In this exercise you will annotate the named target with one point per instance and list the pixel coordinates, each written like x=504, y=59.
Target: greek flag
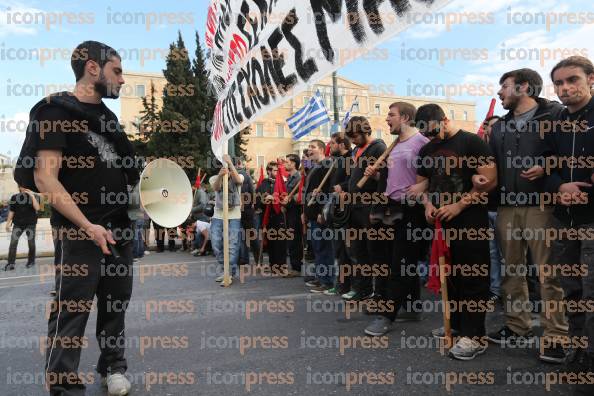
x=311, y=116
x=347, y=116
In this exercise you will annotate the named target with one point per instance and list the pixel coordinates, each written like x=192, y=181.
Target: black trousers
x=360, y=250
x=83, y=273
x=160, y=233
x=463, y=288
x=276, y=241
x=17, y=231
x=295, y=244
x=402, y=287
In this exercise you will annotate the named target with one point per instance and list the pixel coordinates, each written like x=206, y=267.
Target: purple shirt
x=401, y=172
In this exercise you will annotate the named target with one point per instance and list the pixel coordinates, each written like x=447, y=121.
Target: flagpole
x=226, y=278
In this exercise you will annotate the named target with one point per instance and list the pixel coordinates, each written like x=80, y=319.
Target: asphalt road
x=265, y=336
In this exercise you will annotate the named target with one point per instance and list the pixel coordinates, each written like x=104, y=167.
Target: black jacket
x=514, y=149
x=342, y=173
x=372, y=152
x=577, y=142
x=312, y=181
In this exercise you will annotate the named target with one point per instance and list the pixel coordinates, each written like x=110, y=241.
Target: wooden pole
x=375, y=166
x=322, y=183
x=226, y=277
x=444, y=297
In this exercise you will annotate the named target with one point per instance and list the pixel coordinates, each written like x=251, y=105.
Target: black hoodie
x=573, y=141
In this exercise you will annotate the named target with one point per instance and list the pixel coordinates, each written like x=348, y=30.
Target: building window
x=378, y=109
x=356, y=107
x=140, y=91
x=280, y=130
x=305, y=100
x=259, y=129
x=465, y=116
x=452, y=115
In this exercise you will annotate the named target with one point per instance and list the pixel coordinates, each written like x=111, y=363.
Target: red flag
x=327, y=151
x=266, y=218
x=198, y=180
x=439, y=248
x=281, y=169
x=481, y=130
x=280, y=189
x=261, y=179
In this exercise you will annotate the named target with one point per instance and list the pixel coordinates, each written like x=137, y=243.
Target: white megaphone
x=164, y=192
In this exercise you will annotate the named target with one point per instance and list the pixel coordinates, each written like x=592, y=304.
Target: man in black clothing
x=366, y=152
x=293, y=213
x=340, y=148
x=571, y=182
x=314, y=197
x=248, y=241
x=82, y=164
x=450, y=163
x=23, y=215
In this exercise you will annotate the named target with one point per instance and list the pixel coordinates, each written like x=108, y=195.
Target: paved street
x=266, y=336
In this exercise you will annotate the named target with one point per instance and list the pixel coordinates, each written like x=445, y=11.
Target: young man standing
x=367, y=151
x=402, y=253
x=22, y=214
x=340, y=148
x=91, y=224
x=312, y=215
x=449, y=163
x=516, y=140
x=572, y=144
x=216, y=223
x=293, y=216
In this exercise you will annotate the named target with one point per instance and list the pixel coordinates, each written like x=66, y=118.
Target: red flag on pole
x=327, y=151
x=280, y=190
x=439, y=249
x=481, y=130
x=261, y=179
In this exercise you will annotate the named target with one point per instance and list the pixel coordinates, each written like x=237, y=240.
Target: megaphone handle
x=114, y=252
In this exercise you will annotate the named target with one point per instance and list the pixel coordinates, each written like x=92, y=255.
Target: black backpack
x=25, y=165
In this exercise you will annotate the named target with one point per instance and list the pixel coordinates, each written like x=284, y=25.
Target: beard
x=512, y=103
x=103, y=88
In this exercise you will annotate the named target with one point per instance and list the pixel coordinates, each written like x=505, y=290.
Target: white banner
x=264, y=52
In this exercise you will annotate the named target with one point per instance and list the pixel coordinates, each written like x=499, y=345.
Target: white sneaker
x=219, y=278
x=117, y=384
x=467, y=349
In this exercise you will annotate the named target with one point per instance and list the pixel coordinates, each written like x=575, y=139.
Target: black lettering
x=307, y=69
x=373, y=16
x=240, y=78
x=334, y=10
x=262, y=87
x=284, y=83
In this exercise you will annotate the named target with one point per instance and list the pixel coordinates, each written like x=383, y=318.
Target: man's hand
x=571, y=193
x=320, y=219
x=100, y=236
x=479, y=181
x=430, y=213
x=370, y=171
x=448, y=212
x=338, y=189
x=414, y=191
x=227, y=159
x=268, y=199
x=536, y=172
x=224, y=171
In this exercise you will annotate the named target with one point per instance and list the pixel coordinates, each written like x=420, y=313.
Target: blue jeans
x=138, y=243
x=323, y=253
x=216, y=239
x=495, y=252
